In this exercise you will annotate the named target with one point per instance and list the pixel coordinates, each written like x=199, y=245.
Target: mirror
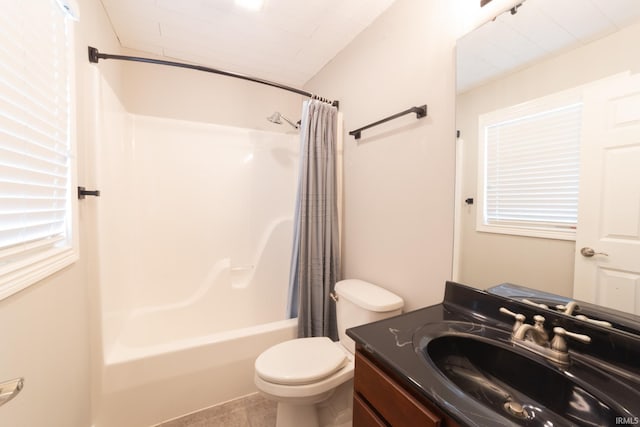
x=591, y=313
x=546, y=47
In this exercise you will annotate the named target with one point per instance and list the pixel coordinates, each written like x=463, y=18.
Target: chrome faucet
x=535, y=332
x=571, y=306
x=519, y=319
x=568, y=308
x=536, y=339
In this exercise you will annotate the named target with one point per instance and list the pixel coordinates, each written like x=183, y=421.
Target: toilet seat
x=300, y=361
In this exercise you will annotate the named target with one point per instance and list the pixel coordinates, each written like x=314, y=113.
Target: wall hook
x=83, y=192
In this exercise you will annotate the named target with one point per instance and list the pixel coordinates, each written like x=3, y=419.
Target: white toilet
x=302, y=373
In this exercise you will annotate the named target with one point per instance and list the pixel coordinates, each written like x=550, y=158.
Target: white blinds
x=531, y=166
x=35, y=150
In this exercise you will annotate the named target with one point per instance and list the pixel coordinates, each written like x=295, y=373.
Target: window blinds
x=531, y=166
x=35, y=150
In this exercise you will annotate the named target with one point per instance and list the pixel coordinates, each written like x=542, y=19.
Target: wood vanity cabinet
x=380, y=400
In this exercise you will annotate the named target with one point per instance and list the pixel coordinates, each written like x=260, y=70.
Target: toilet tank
x=361, y=302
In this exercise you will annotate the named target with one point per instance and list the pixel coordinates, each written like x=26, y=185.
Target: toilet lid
x=300, y=361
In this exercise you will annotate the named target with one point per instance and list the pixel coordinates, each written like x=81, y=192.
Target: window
x=37, y=235
x=529, y=168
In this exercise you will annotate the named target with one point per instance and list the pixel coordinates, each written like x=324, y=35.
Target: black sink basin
x=524, y=388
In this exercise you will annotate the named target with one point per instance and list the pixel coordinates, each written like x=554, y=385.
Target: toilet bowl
x=303, y=373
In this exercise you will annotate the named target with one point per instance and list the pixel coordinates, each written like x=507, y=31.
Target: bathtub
x=191, y=275
x=172, y=359
x=145, y=385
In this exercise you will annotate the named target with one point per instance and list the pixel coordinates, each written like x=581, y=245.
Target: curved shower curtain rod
x=95, y=56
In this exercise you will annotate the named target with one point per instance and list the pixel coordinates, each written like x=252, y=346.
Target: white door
x=609, y=201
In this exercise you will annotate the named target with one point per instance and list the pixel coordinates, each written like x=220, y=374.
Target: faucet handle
x=578, y=337
x=558, y=342
x=594, y=321
x=512, y=314
x=520, y=318
x=528, y=301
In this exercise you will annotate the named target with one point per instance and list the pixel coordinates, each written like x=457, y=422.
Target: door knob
x=589, y=252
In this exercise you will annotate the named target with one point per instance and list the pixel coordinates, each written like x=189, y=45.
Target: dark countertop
x=391, y=342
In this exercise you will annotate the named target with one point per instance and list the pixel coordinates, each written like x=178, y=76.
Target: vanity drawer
x=363, y=415
x=384, y=396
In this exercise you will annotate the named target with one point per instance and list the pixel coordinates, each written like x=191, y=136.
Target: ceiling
x=287, y=41
x=539, y=29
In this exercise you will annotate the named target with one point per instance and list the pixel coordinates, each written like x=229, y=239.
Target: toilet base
x=331, y=409
x=291, y=415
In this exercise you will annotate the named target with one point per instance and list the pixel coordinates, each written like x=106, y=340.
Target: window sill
x=35, y=269
x=528, y=232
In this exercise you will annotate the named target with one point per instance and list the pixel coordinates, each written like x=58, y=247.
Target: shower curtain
x=315, y=256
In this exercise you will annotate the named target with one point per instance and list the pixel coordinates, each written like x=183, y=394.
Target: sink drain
x=516, y=409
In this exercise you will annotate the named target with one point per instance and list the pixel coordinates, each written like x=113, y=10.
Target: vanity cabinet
x=380, y=400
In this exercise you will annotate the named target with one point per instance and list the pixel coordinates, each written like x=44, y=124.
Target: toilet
x=303, y=374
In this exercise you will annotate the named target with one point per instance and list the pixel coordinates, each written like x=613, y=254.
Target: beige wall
x=488, y=259
x=398, y=211
x=44, y=330
x=177, y=93
x=399, y=178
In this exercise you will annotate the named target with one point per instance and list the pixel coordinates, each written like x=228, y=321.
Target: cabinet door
x=394, y=404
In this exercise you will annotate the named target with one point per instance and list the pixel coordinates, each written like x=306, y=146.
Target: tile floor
x=248, y=411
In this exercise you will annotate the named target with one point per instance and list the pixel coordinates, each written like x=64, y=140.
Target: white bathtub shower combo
x=195, y=234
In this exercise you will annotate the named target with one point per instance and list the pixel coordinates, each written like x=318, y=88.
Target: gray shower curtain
x=315, y=257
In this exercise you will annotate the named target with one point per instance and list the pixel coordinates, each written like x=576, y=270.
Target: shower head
x=277, y=118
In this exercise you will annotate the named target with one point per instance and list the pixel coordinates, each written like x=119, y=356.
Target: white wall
x=488, y=259
x=44, y=329
x=399, y=178
x=169, y=92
